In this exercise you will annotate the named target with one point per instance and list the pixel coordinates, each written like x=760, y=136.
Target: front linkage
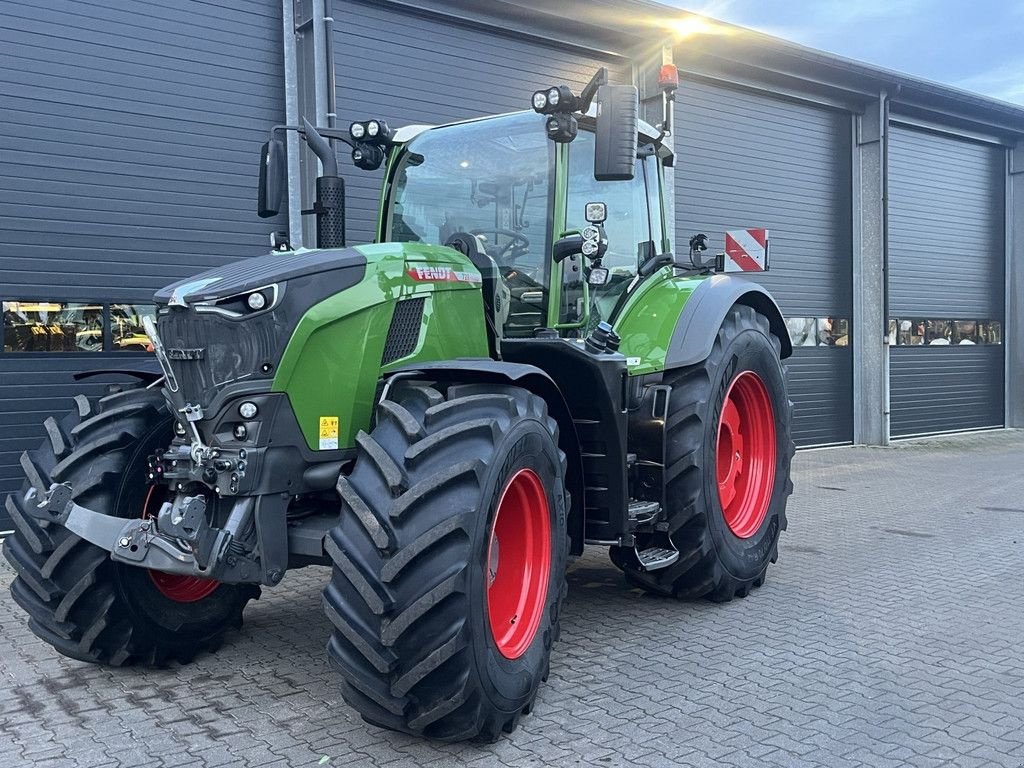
x=180, y=540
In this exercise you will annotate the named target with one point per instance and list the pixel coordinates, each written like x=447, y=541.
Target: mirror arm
x=321, y=148
x=590, y=89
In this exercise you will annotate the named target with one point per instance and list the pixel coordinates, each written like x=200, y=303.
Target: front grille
x=207, y=351
x=404, y=332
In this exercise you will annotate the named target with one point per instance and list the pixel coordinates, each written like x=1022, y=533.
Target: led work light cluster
x=369, y=139
x=558, y=102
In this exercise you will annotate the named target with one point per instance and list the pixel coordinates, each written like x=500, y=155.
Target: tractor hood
x=229, y=327
x=231, y=324
x=243, y=277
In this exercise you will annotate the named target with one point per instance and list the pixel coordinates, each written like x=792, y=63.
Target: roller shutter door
x=130, y=137
x=946, y=283
x=750, y=160
x=406, y=68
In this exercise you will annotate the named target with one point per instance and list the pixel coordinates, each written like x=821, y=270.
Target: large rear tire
x=729, y=451
x=449, y=561
x=80, y=601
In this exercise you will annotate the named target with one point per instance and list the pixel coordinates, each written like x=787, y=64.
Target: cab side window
x=632, y=205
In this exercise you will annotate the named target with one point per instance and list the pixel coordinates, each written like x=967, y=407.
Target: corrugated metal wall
x=130, y=137
x=946, y=261
x=409, y=68
x=749, y=160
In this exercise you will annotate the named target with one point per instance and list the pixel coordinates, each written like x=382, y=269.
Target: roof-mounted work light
x=559, y=98
x=368, y=157
x=561, y=127
x=371, y=132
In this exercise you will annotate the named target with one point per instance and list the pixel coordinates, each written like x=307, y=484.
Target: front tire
x=78, y=600
x=449, y=561
x=728, y=456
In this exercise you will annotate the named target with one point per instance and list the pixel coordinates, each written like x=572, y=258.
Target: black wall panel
x=750, y=160
x=130, y=135
x=946, y=261
x=946, y=223
x=944, y=389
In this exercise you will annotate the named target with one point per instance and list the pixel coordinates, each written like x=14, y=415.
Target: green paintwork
x=649, y=318
x=557, y=227
x=332, y=362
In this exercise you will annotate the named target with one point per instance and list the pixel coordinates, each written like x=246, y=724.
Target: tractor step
x=653, y=558
x=641, y=512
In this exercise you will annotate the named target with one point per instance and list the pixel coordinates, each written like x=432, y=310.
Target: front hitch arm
x=137, y=542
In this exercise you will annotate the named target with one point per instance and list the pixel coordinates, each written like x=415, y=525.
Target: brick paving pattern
x=890, y=633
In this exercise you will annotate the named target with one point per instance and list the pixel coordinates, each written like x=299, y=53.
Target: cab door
x=635, y=230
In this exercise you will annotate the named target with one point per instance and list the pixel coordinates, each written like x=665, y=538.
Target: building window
x=67, y=326
x=924, y=332
x=819, y=331
x=126, y=329
x=47, y=326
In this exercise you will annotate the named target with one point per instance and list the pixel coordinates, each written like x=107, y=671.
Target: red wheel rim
x=518, y=564
x=745, y=454
x=180, y=589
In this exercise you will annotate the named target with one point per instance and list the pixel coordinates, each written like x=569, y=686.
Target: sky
x=974, y=45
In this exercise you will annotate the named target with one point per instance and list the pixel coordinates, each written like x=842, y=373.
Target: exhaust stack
x=330, y=192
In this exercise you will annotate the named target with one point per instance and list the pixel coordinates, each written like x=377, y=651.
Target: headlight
x=256, y=301
x=589, y=247
x=373, y=128
x=553, y=97
x=357, y=131
x=248, y=410
x=540, y=100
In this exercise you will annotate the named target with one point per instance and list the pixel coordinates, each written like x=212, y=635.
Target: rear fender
x=704, y=312
x=534, y=380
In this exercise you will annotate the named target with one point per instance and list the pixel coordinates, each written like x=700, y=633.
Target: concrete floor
x=889, y=633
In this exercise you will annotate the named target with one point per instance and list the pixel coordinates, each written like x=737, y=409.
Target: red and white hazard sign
x=746, y=250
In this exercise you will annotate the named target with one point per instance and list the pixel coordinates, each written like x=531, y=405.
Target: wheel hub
x=745, y=454
x=519, y=567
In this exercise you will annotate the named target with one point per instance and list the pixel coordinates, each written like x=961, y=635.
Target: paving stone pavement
x=889, y=634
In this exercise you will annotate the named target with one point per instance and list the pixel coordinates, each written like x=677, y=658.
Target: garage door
x=749, y=160
x=408, y=68
x=946, y=283
x=130, y=137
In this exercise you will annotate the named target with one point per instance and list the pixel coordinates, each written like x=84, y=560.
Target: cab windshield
x=491, y=178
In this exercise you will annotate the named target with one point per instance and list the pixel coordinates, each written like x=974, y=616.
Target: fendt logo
x=427, y=274
x=181, y=353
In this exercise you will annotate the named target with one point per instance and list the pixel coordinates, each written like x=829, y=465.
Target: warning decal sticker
x=328, y=433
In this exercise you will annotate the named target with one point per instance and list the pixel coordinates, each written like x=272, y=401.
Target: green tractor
x=519, y=365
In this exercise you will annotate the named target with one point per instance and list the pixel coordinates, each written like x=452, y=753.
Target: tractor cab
x=522, y=202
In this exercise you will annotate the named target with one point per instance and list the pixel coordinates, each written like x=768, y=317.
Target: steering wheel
x=515, y=238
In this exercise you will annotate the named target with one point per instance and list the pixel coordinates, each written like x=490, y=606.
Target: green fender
x=671, y=321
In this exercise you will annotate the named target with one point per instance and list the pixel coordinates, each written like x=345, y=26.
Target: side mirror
x=618, y=117
x=272, y=178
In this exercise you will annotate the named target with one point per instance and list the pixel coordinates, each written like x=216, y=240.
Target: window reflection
x=127, y=331
x=47, y=326
x=819, y=331
x=66, y=326
x=922, y=332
